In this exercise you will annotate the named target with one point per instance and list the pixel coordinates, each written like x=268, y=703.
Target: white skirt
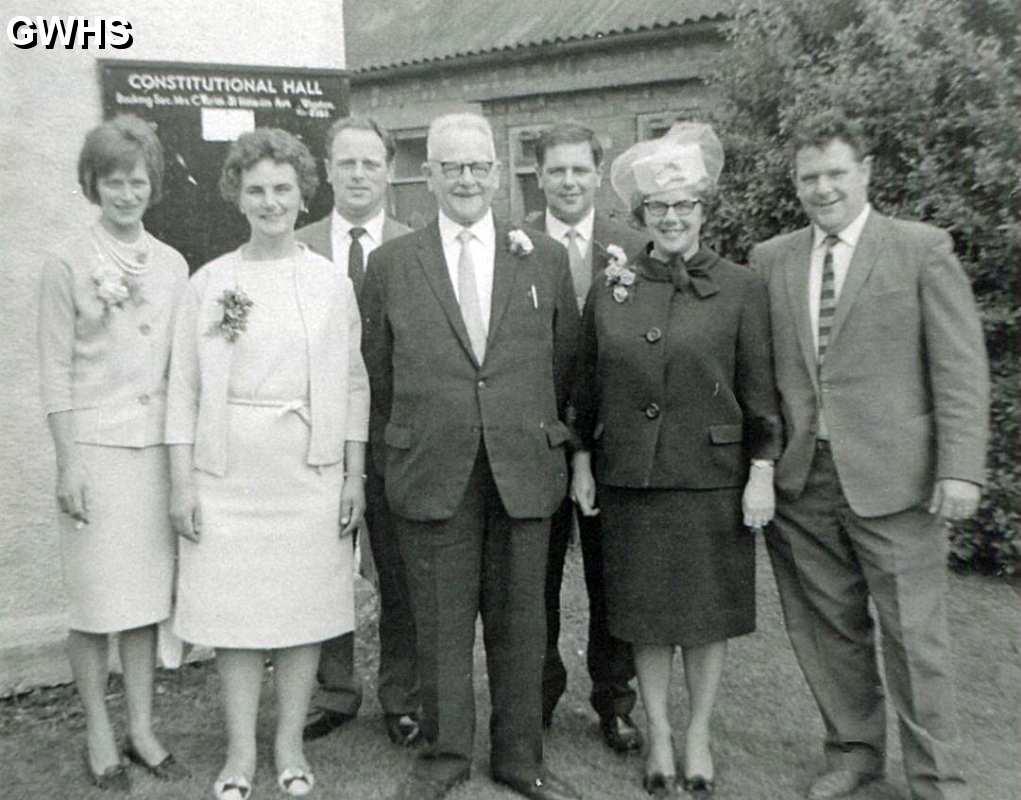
x=270, y=569
x=119, y=569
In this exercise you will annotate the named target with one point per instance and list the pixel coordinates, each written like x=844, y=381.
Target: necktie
x=581, y=275
x=827, y=297
x=468, y=296
x=356, y=260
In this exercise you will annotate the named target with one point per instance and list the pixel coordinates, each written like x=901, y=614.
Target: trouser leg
x=554, y=673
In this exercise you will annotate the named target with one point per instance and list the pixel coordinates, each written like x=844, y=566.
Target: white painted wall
x=48, y=100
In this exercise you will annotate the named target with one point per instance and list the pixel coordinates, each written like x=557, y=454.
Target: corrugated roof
x=388, y=33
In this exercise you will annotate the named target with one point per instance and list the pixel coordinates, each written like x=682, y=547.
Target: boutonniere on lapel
x=618, y=276
x=114, y=289
x=236, y=307
x=518, y=243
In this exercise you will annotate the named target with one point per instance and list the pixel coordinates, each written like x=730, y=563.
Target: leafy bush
x=937, y=88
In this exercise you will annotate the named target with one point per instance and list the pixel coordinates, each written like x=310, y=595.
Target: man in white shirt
x=359, y=155
x=881, y=369
x=468, y=334
x=569, y=162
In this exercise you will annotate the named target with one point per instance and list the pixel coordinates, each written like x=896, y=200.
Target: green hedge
x=936, y=84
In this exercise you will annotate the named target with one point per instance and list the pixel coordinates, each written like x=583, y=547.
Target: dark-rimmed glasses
x=657, y=209
x=453, y=170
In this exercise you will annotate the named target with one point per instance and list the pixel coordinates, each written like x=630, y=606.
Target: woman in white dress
x=106, y=307
x=267, y=421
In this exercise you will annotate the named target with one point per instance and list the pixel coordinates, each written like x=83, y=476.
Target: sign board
x=197, y=111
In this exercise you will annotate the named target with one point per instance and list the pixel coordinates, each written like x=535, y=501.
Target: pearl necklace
x=131, y=258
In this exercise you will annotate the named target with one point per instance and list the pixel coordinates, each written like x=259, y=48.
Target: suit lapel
x=864, y=258
x=798, y=261
x=505, y=271
x=430, y=256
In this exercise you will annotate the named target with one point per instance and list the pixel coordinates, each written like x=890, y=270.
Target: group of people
x=470, y=395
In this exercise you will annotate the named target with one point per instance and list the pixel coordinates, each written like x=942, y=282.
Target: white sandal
x=296, y=782
x=235, y=787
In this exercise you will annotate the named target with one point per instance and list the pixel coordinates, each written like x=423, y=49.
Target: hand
x=352, y=504
x=954, y=499
x=73, y=492
x=583, y=491
x=758, y=503
x=185, y=513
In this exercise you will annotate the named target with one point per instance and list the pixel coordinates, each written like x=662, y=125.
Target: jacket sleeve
x=55, y=332
x=585, y=391
x=958, y=367
x=183, y=383
x=755, y=385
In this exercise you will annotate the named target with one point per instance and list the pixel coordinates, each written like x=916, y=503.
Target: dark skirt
x=680, y=566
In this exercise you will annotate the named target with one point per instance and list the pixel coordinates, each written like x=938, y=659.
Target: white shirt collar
x=484, y=229
x=373, y=226
x=557, y=228
x=848, y=235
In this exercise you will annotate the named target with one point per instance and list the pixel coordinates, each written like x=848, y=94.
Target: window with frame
x=411, y=201
x=526, y=196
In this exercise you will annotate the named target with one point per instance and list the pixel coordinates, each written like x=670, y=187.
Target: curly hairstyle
x=276, y=145
x=820, y=129
x=120, y=143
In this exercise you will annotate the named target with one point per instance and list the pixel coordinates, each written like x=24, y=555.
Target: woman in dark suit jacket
x=677, y=415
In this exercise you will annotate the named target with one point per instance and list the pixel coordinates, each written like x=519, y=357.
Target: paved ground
x=766, y=731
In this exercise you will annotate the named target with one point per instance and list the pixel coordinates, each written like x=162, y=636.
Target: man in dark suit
x=359, y=154
x=468, y=334
x=882, y=373
x=569, y=161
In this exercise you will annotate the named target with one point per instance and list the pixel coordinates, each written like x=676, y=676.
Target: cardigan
x=108, y=365
x=200, y=363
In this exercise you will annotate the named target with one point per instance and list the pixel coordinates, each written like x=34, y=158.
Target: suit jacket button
x=145, y=329
x=652, y=411
x=653, y=335
x=481, y=384
x=143, y=399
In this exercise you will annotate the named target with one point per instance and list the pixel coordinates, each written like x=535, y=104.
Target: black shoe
x=113, y=778
x=699, y=787
x=659, y=785
x=547, y=787
x=403, y=729
x=323, y=723
x=169, y=769
x=620, y=733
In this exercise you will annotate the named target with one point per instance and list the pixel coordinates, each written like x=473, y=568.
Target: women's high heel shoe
x=699, y=787
x=169, y=769
x=113, y=779
x=659, y=785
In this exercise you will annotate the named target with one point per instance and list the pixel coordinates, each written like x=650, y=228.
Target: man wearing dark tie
x=358, y=157
x=884, y=386
x=569, y=161
x=469, y=335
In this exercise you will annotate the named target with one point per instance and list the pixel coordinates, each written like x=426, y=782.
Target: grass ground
x=766, y=731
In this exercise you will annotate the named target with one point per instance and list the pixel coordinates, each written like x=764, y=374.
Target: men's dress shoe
x=659, y=785
x=419, y=787
x=113, y=778
x=169, y=769
x=323, y=723
x=698, y=786
x=620, y=733
x=839, y=782
x=548, y=787
x=403, y=729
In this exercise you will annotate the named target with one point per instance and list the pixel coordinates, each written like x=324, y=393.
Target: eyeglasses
x=454, y=169
x=657, y=209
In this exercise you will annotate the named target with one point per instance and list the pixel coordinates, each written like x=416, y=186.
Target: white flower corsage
x=617, y=275
x=236, y=305
x=114, y=289
x=518, y=242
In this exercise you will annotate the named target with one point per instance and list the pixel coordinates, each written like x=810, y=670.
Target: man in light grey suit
x=882, y=374
x=359, y=154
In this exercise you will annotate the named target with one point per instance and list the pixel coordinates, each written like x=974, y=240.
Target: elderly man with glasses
x=468, y=335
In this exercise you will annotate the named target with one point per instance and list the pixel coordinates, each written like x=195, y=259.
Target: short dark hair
x=820, y=129
x=360, y=123
x=568, y=133
x=278, y=146
x=120, y=143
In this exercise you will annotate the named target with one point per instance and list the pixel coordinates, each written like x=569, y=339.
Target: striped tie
x=827, y=297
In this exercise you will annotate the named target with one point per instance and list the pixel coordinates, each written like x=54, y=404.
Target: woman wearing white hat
x=676, y=409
